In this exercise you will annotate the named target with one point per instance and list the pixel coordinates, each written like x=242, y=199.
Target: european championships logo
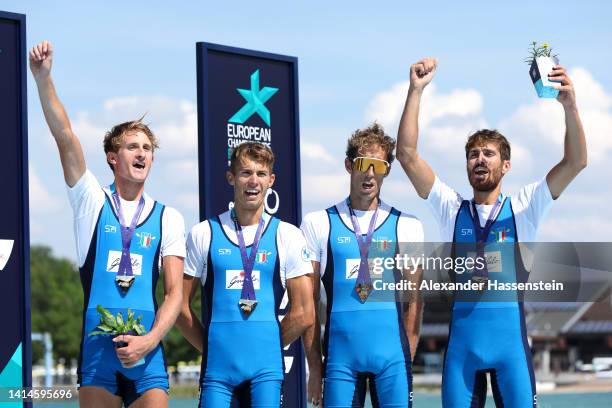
x=256, y=99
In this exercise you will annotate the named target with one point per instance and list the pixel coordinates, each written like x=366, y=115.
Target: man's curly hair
x=374, y=134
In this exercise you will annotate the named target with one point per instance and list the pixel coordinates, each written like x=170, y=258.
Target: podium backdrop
x=15, y=356
x=246, y=95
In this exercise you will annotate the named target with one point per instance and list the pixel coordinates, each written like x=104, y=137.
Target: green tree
x=56, y=303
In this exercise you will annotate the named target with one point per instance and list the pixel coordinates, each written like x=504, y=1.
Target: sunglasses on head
x=363, y=164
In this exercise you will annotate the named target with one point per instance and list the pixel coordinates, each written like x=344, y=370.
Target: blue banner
x=246, y=95
x=15, y=355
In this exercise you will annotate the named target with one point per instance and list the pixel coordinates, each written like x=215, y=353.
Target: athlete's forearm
x=408, y=131
x=53, y=109
x=167, y=314
x=413, y=312
x=293, y=325
x=575, y=150
x=418, y=171
x=301, y=314
x=191, y=328
x=574, y=154
x=413, y=318
x=71, y=153
x=312, y=344
x=173, y=299
x=187, y=322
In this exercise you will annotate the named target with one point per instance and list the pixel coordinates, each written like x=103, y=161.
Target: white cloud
x=317, y=152
x=387, y=106
x=541, y=123
x=173, y=121
x=42, y=202
x=322, y=190
x=178, y=172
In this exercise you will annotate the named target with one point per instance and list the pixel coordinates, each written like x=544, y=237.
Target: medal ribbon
x=248, y=262
x=363, y=278
x=481, y=235
x=125, y=264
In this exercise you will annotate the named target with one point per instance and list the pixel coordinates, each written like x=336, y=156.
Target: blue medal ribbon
x=247, y=296
x=363, y=286
x=127, y=232
x=482, y=274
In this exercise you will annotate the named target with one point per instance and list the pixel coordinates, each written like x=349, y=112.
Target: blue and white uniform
x=488, y=335
x=159, y=233
x=242, y=356
x=363, y=340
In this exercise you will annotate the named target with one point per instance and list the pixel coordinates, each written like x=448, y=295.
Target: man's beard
x=489, y=184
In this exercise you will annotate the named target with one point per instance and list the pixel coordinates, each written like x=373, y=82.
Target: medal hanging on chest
x=481, y=275
x=248, y=301
x=125, y=277
x=363, y=286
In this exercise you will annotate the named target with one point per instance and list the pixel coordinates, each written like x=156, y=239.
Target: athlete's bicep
x=190, y=286
x=299, y=290
x=173, y=274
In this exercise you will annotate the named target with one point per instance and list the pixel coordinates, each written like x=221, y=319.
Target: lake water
x=590, y=400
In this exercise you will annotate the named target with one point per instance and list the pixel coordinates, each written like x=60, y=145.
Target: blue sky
x=117, y=60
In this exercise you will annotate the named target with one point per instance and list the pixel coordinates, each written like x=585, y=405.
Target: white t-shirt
x=315, y=227
x=529, y=205
x=291, y=246
x=87, y=199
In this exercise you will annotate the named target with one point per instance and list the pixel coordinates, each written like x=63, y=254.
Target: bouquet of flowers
x=541, y=61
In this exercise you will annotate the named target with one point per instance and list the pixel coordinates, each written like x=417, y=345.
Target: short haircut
x=372, y=135
x=114, y=137
x=483, y=136
x=258, y=152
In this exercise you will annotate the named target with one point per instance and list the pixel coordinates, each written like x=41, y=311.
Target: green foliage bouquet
x=114, y=326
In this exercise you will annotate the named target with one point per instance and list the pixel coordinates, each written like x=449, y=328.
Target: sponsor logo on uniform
x=6, y=248
x=493, y=260
x=110, y=229
x=224, y=251
x=145, y=239
x=343, y=240
x=262, y=257
x=235, y=277
x=466, y=231
x=114, y=257
x=305, y=254
x=352, y=268
x=501, y=234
